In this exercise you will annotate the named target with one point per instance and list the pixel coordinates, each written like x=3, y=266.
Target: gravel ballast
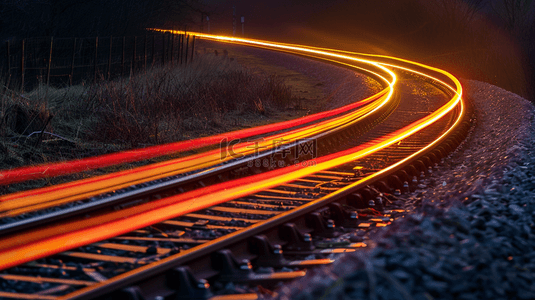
x=470, y=233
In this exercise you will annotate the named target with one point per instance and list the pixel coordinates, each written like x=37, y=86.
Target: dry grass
x=166, y=104
x=161, y=106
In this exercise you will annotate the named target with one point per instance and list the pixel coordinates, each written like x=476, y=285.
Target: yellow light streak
x=23, y=202
x=88, y=231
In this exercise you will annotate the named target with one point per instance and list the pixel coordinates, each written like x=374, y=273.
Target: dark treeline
x=85, y=18
x=492, y=41
x=487, y=40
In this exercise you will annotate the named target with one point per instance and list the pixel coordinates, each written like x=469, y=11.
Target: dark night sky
x=387, y=25
x=413, y=29
x=442, y=33
x=386, y=22
x=297, y=21
x=263, y=17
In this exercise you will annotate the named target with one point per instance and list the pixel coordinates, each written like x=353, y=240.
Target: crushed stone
x=472, y=234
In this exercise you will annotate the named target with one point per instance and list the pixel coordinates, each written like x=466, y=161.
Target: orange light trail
x=327, y=52
x=23, y=202
x=15, y=204
x=68, y=167
x=42, y=242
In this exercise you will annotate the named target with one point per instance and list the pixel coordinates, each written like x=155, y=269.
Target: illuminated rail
x=47, y=241
x=23, y=202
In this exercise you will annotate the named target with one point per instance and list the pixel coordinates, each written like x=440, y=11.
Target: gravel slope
x=472, y=234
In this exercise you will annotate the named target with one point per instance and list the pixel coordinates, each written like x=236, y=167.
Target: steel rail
x=18, y=249
x=146, y=214
x=62, y=168
x=146, y=191
x=50, y=196
x=340, y=122
x=40, y=200
x=236, y=238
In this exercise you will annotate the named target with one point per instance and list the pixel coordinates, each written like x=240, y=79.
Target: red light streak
x=68, y=167
x=15, y=250
x=17, y=203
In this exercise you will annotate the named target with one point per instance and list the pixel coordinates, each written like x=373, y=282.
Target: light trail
x=43, y=242
x=15, y=204
x=330, y=53
x=68, y=167
x=23, y=202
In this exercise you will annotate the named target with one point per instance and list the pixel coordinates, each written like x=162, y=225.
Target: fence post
x=163, y=49
x=72, y=61
x=49, y=62
x=153, y=49
x=145, y=54
x=192, y=47
x=133, y=64
x=8, y=59
x=22, y=67
x=122, y=57
x=167, y=52
x=179, y=58
x=187, y=46
x=172, y=48
x=109, y=58
x=95, y=62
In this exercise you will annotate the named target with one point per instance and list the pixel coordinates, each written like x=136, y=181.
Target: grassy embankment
x=213, y=94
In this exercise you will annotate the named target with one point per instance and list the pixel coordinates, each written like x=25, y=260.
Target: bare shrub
x=164, y=105
x=159, y=106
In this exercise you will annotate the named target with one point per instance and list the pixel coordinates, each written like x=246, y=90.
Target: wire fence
x=69, y=61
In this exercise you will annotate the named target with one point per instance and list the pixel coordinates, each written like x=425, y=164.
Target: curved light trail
x=68, y=167
x=23, y=202
x=47, y=241
x=15, y=204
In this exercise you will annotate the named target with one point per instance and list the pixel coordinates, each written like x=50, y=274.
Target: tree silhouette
x=85, y=18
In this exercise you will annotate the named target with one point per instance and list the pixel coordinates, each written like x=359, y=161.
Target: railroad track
x=211, y=225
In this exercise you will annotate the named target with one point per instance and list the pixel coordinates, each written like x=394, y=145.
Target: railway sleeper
x=269, y=255
x=297, y=242
x=232, y=270
x=321, y=227
x=177, y=284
